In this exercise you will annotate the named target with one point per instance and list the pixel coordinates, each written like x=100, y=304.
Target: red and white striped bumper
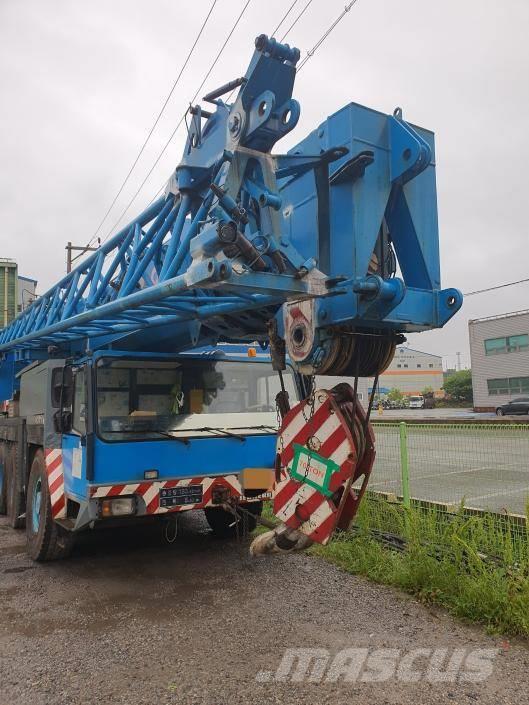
x=149, y=492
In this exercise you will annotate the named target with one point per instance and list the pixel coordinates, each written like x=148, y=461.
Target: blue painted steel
x=74, y=466
x=9, y=383
x=359, y=204
x=305, y=225
x=127, y=461
x=221, y=351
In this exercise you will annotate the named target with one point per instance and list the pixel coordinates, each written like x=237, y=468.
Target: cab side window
x=79, y=401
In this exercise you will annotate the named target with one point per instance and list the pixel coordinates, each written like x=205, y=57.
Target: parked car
x=515, y=406
x=417, y=402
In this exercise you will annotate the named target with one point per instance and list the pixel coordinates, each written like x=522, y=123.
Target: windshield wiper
x=240, y=438
x=185, y=441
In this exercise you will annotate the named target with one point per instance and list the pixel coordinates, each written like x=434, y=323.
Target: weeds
x=475, y=566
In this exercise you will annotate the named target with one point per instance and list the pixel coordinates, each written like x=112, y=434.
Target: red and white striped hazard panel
x=55, y=471
x=317, y=464
x=151, y=492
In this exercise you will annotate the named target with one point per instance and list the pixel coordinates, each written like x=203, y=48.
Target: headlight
x=118, y=507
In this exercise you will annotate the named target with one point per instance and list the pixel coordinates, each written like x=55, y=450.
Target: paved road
x=443, y=414
x=132, y=620
x=487, y=467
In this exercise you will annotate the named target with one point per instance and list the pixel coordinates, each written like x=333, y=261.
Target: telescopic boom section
x=336, y=242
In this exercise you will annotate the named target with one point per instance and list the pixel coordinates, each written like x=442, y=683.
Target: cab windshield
x=187, y=397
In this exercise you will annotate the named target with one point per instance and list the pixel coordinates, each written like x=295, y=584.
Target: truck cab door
x=73, y=431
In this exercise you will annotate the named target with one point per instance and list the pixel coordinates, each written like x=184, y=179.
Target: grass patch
x=475, y=566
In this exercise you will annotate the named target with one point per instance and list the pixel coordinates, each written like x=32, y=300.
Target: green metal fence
x=483, y=466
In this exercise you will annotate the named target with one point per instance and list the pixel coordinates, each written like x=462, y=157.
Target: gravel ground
x=132, y=619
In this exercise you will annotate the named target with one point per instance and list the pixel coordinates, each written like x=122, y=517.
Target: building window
x=430, y=364
x=418, y=365
x=511, y=343
x=405, y=365
x=399, y=365
x=509, y=385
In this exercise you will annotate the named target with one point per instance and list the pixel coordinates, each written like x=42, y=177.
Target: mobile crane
x=125, y=399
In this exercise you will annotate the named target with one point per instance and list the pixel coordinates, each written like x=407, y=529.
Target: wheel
x=46, y=540
x=3, y=480
x=14, y=498
x=225, y=525
x=499, y=412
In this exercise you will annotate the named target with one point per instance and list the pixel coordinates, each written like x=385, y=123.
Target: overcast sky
x=81, y=83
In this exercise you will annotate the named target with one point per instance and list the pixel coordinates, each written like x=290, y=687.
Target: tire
x=3, y=480
x=46, y=540
x=14, y=499
x=499, y=412
x=224, y=525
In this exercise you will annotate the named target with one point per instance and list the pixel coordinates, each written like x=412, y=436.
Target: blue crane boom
x=342, y=230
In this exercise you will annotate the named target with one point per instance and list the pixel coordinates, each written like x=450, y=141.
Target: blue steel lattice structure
x=337, y=240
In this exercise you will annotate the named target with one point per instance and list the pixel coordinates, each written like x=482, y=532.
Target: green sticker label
x=313, y=469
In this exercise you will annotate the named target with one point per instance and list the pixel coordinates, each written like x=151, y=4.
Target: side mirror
x=62, y=421
x=61, y=386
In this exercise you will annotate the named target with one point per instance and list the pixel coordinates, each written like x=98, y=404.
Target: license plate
x=177, y=496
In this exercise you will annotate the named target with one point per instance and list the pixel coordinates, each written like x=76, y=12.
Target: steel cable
x=179, y=122
x=324, y=36
x=157, y=120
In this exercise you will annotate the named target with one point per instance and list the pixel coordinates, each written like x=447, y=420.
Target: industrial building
x=16, y=291
x=499, y=351
x=411, y=372
x=8, y=291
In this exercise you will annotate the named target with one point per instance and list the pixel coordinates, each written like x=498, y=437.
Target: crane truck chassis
x=325, y=256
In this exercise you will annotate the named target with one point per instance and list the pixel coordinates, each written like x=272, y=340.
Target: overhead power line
x=324, y=36
x=295, y=21
x=173, y=133
x=157, y=120
x=282, y=21
x=299, y=16
x=499, y=286
x=287, y=13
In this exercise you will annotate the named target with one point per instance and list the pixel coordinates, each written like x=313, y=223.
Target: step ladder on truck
x=127, y=396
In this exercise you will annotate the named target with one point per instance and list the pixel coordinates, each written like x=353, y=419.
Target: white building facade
x=499, y=351
x=411, y=372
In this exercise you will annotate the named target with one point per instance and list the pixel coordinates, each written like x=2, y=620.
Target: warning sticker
x=312, y=469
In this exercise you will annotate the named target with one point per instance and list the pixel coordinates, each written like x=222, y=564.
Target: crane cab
x=138, y=434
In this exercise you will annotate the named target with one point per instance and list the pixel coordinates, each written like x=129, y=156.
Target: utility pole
x=70, y=248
